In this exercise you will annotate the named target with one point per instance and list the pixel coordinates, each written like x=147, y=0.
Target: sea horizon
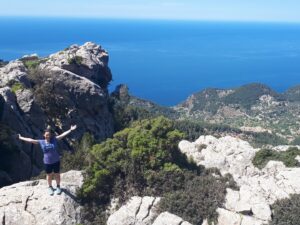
x=165, y=61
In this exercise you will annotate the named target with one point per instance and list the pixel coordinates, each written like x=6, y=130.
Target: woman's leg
x=57, y=173
x=57, y=178
x=49, y=179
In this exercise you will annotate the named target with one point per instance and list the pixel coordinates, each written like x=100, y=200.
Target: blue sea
x=166, y=61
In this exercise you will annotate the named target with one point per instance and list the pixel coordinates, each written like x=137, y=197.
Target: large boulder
x=258, y=189
x=28, y=203
x=88, y=60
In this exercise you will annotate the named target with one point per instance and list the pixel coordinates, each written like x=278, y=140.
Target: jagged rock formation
x=258, y=189
x=143, y=211
x=28, y=203
x=68, y=87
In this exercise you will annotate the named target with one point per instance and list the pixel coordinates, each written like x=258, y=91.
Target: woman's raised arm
x=66, y=132
x=29, y=140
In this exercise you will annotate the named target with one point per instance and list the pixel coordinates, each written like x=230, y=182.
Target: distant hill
x=293, y=94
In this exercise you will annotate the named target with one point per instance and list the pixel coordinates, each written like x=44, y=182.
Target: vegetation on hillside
x=77, y=60
x=3, y=63
x=8, y=151
x=125, y=113
x=293, y=94
x=263, y=156
x=32, y=62
x=144, y=160
x=43, y=84
x=248, y=95
x=286, y=211
x=127, y=109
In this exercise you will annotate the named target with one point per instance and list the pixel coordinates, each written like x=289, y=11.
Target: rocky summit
x=68, y=87
x=28, y=203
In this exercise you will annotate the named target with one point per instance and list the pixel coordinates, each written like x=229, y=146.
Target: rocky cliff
x=68, y=87
x=28, y=203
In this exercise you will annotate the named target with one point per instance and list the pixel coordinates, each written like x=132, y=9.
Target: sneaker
x=50, y=190
x=58, y=191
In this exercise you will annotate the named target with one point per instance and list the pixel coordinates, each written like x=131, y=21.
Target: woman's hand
x=73, y=127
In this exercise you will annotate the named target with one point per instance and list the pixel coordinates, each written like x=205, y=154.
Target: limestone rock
x=258, y=189
x=231, y=218
x=28, y=203
x=137, y=211
x=167, y=218
x=15, y=71
x=88, y=60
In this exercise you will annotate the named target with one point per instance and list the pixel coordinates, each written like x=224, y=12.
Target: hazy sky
x=241, y=10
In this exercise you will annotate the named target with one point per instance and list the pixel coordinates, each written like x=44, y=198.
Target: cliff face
x=68, y=87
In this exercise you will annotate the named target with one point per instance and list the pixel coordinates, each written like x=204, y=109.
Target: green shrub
x=296, y=141
x=263, y=156
x=17, y=86
x=79, y=159
x=147, y=145
x=77, y=60
x=44, y=82
x=197, y=200
x=31, y=64
x=286, y=211
x=8, y=150
x=144, y=159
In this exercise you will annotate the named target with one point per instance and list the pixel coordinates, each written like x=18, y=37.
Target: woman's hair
x=48, y=129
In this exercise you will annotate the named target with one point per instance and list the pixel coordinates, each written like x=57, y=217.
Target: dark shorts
x=55, y=167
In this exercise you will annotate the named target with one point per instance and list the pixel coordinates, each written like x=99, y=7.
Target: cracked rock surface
x=143, y=211
x=28, y=203
x=258, y=189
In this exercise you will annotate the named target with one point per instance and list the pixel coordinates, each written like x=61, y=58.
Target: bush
x=79, y=159
x=77, y=60
x=296, y=141
x=54, y=104
x=144, y=160
x=8, y=150
x=263, y=156
x=145, y=146
x=17, y=86
x=286, y=211
x=197, y=200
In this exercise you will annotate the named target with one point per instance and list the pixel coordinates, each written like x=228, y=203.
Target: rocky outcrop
x=167, y=218
x=28, y=203
x=258, y=189
x=143, y=211
x=138, y=210
x=68, y=87
x=88, y=60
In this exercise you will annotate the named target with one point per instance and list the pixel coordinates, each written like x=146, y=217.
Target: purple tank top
x=50, y=150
